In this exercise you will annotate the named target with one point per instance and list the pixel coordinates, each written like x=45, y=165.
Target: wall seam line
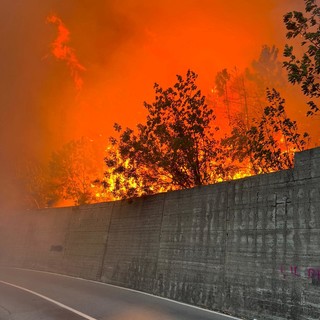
x=160, y=237
x=99, y=275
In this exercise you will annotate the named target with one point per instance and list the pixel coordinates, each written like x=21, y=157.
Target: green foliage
x=176, y=147
x=305, y=70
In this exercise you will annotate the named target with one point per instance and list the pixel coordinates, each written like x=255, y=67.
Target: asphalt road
x=33, y=295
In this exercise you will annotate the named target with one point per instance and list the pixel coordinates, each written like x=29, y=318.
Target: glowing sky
x=124, y=47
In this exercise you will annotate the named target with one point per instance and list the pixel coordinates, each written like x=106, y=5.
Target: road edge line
x=133, y=290
x=61, y=305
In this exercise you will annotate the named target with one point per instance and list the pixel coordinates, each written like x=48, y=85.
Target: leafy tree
x=266, y=71
x=125, y=177
x=231, y=94
x=243, y=94
x=236, y=147
x=35, y=184
x=305, y=70
x=175, y=148
x=222, y=81
x=73, y=169
x=270, y=143
x=67, y=178
x=261, y=139
x=275, y=138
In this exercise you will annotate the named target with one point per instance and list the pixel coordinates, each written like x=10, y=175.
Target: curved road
x=33, y=295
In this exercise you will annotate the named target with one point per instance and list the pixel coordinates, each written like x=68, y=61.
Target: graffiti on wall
x=297, y=271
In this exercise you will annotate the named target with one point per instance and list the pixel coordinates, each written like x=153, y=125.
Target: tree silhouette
x=242, y=94
x=305, y=70
x=175, y=148
x=266, y=71
x=74, y=168
x=270, y=143
x=36, y=184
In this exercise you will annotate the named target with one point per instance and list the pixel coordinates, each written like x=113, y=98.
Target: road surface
x=33, y=295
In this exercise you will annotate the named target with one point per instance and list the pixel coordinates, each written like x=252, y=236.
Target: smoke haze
x=124, y=47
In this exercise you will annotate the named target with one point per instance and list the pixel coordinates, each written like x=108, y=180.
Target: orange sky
x=124, y=47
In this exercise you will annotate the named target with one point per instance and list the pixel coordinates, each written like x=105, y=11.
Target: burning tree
x=176, y=147
x=73, y=170
x=36, y=185
x=270, y=142
x=262, y=138
x=266, y=71
x=241, y=95
x=275, y=137
x=67, y=178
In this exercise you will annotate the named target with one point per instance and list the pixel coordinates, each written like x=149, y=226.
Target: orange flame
x=62, y=51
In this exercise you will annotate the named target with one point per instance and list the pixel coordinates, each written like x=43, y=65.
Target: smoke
x=125, y=47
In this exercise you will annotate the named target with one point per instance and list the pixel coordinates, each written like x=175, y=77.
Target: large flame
x=122, y=48
x=62, y=51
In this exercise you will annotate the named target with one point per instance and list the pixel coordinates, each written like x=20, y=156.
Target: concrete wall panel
x=248, y=247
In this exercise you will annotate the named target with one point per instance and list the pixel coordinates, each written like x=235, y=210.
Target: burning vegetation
x=182, y=144
x=240, y=127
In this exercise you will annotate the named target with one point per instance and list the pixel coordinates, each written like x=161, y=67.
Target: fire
x=123, y=49
x=117, y=185
x=62, y=51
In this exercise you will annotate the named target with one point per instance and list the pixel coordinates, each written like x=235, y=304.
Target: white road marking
x=85, y=316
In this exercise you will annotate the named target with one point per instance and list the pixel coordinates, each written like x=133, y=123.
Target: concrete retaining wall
x=249, y=247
